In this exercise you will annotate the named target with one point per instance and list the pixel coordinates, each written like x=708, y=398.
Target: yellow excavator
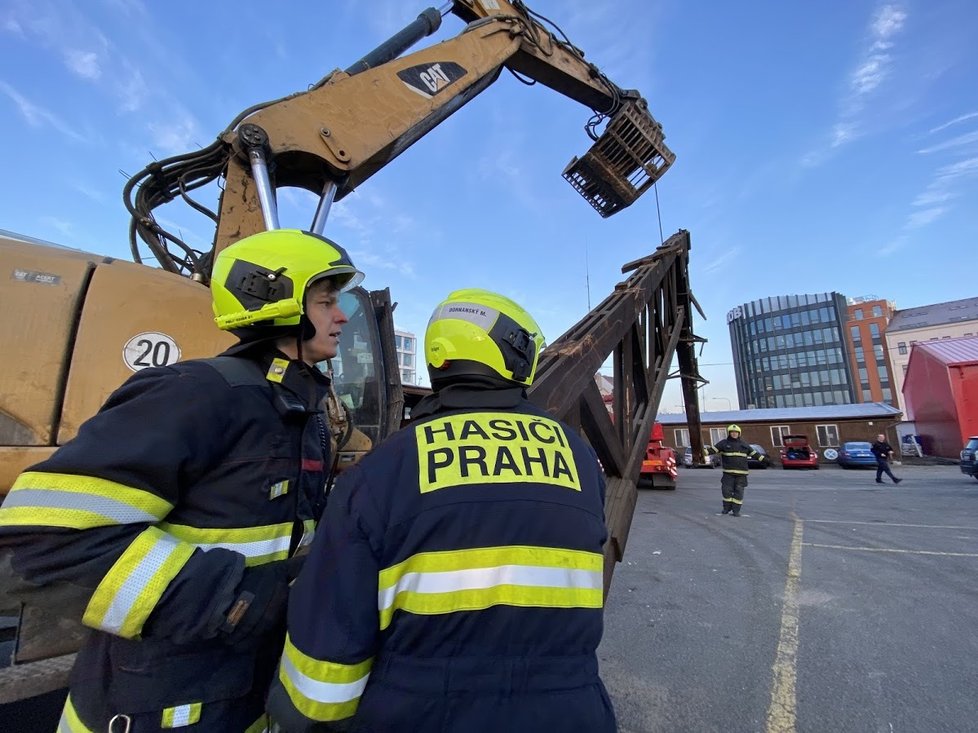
x=74, y=325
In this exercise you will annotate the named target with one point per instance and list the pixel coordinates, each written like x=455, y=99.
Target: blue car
x=969, y=457
x=856, y=454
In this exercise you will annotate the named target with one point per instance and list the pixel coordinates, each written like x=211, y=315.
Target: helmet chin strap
x=306, y=332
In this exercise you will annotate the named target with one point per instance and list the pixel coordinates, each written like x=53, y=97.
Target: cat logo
x=494, y=448
x=429, y=79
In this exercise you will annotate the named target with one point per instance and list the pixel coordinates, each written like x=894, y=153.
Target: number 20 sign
x=150, y=349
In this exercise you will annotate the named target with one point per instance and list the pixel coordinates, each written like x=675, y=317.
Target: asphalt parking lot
x=835, y=604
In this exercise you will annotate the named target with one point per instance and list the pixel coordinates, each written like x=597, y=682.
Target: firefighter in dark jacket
x=734, y=454
x=456, y=581
x=179, y=509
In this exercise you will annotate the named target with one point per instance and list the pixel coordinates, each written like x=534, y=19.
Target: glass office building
x=791, y=351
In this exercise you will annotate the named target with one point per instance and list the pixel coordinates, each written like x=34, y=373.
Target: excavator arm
x=349, y=125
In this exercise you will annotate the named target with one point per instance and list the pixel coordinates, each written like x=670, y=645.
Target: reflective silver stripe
x=128, y=593
x=181, y=716
x=323, y=692
x=308, y=532
x=118, y=511
x=480, y=578
x=258, y=548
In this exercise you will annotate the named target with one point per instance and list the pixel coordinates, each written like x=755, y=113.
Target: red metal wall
x=932, y=403
x=964, y=385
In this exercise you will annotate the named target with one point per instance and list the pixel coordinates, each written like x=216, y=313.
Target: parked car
x=797, y=453
x=856, y=454
x=969, y=457
x=712, y=460
x=763, y=462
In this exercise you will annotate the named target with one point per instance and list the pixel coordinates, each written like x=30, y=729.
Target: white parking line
x=890, y=524
x=892, y=549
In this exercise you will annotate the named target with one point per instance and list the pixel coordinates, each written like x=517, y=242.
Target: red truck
x=659, y=466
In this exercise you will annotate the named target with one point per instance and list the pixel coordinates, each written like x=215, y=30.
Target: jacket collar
x=468, y=397
x=307, y=383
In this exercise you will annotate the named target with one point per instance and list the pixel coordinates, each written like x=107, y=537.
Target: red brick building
x=868, y=318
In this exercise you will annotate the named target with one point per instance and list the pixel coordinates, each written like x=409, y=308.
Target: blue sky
x=820, y=146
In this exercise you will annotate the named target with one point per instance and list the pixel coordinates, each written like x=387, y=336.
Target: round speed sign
x=150, y=349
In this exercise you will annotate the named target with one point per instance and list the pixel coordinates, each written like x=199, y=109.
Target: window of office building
x=878, y=352
x=874, y=330
x=859, y=354
x=778, y=432
x=881, y=371
x=887, y=394
x=877, y=311
x=867, y=395
x=858, y=313
x=828, y=435
x=854, y=332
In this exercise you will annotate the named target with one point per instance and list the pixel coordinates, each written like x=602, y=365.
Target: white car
x=712, y=460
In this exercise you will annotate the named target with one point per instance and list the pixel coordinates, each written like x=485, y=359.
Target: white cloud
x=934, y=201
x=865, y=80
x=967, y=139
x=930, y=198
x=897, y=244
x=131, y=89
x=12, y=26
x=65, y=228
x=889, y=20
x=85, y=64
x=956, y=120
x=174, y=136
x=925, y=216
x=64, y=29
x=37, y=116
x=129, y=8
x=89, y=192
x=719, y=263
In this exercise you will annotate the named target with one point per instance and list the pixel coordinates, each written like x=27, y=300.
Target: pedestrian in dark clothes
x=883, y=452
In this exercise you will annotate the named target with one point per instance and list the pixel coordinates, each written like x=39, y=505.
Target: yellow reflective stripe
x=181, y=715
x=259, y=726
x=308, y=532
x=735, y=470
x=70, y=722
x=73, y=501
x=470, y=580
x=322, y=690
x=482, y=557
x=730, y=453
x=736, y=501
x=259, y=545
x=133, y=586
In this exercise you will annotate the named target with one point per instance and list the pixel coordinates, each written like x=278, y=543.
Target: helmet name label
x=494, y=448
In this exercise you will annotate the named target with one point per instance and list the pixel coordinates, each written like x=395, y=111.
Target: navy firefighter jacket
x=734, y=454
x=187, y=479
x=466, y=551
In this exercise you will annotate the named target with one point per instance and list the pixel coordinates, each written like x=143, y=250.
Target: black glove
x=260, y=601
